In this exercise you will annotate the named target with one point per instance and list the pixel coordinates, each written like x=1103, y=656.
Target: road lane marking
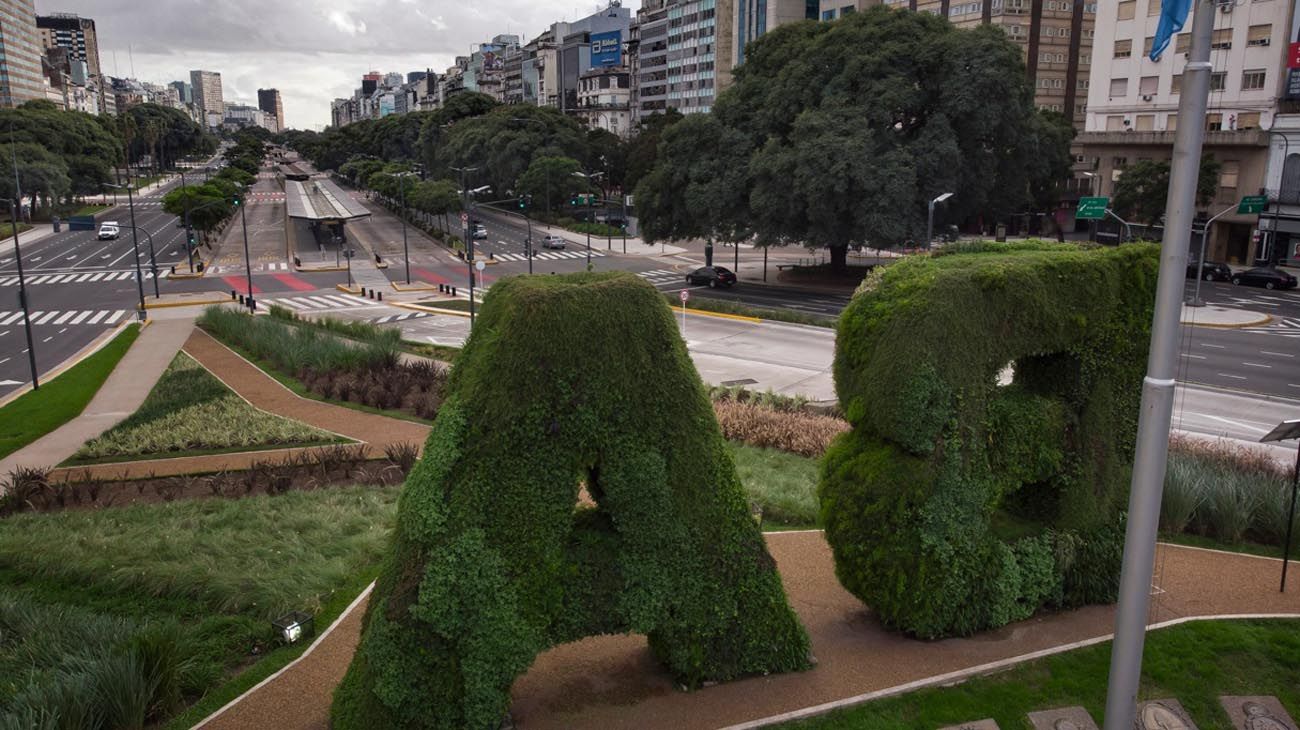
x=1229, y=421
x=1278, y=354
x=47, y=339
x=118, y=315
x=98, y=316
x=1206, y=344
x=66, y=316
x=46, y=317
x=1256, y=365
x=1234, y=377
x=1197, y=357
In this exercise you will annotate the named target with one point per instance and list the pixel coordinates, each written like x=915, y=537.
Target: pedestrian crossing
x=660, y=277
x=401, y=317
x=65, y=317
x=78, y=277
x=1283, y=327
x=320, y=301
x=548, y=255
x=239, y=268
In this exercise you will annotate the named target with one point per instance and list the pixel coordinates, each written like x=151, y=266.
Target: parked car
x=1265, y=276
x=1209, y=270
x=553, y=241
x=480, y=231
x=109, y=231
x=714, y=276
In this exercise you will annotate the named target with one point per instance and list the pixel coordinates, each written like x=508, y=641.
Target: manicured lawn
x=1195, y=663
x=784, y=484
x=90, y=209
x=58, y=401
x=214, y=572
x=455, y=305
x=7, y=230
x=189, y=410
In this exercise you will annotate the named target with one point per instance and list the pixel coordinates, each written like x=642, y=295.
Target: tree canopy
x=1142, y=189
x=82, y=148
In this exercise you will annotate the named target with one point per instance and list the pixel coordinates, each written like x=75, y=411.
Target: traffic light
x=573, y=200
x=525, y=202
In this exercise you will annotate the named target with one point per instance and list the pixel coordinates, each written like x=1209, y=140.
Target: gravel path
x=614, y=682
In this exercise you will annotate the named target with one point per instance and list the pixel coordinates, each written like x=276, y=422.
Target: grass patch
x=442, y=353
x=455, y=305
x=89, y=209
x=1195, y=662
x=703, y=303
x=190, y=410
x=197, y=579
x=783, y=484
x=7, y=229
x=58, y=401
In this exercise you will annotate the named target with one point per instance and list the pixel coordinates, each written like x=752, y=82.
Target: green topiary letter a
x=566, y=382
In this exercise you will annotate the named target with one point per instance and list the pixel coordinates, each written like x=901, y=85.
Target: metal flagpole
x=1158, y=386
x=16, y=205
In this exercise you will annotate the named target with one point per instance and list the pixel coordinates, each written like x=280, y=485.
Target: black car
x=1265, y=276
x=714, y=276
x=1209, y=270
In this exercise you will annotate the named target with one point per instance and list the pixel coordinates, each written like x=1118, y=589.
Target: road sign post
x=685, y=296
x=1252, y=205
x=1092, y=208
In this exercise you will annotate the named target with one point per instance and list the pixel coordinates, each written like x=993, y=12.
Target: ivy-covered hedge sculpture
x=957, y=504
x=566, y=381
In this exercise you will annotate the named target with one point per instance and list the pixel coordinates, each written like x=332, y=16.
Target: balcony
x=1221, y=138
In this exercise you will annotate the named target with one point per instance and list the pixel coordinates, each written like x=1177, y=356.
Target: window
x=1149, y=85
x=1123, y=49
x=847, y=9
x=1153, y=8
x=1176, y=85
x=1118, y=87
x=1218, y=81
x=1228, y=174
x=1259, y=35
x=1222, y=39
x=1248, y=120
x=1214, y=122
x=1252, y=79
x=1115, y=123
x=1119, y=163
x=1171, y=123
x=828, y=15
x=1148, y=44
x=1145, y=122
x=1082, y=84
x=1127, y=8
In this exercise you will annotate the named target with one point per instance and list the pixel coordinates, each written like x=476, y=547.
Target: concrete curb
x=95, y=346
x=432, y=310
x=413, y=287
x=350, y=290
x=720, y=315
x=312, y=269
x=1261, y=319
x=195, y=303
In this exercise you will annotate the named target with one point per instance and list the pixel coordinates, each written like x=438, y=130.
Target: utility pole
x=1158, y=386
x=469, y=238
x=248, y=266
x=14, y=205
x=135, y=245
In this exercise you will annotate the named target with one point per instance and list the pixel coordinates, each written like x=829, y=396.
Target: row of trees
x=62, y=155
x=209, y=204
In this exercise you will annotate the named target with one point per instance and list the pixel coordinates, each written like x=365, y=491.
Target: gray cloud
x=311, y=51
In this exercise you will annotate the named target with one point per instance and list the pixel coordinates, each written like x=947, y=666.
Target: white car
x=479, y=231
x=109, y=231
x=552, y=241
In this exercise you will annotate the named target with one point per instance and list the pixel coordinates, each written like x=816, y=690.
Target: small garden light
x=293, y=626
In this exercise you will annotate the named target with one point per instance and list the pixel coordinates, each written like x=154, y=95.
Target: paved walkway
x=614, y=682
x=263, y=391
x=119, y=396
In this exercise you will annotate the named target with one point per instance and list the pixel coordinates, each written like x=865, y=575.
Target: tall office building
x=685, y=51
x=184, y=91
x=20, y=72
x=207, y=94
x=77, y=34
x=268, y=100
x=756, y=17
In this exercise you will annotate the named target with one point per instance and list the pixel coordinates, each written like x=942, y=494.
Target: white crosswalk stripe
x=400, y=317
x=63, y=316
x=321, y=301
x=549, y=255
x=78, y=277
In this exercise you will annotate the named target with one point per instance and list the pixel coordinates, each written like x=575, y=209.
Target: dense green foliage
x=492, y=563
x=189, y=410
x=1141, y=192
x=1196, y=663
x=1230, y=494
x=58, y=153
x=165, y=135
x=90, y=624
x=838, y=134
x=956, y=504
x=38, y=412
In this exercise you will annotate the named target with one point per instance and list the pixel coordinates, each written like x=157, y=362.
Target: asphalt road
x=1263, y=359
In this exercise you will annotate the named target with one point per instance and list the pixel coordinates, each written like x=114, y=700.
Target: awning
x=321, y=200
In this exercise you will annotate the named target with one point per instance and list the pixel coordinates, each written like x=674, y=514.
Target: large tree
x=853, y=126
x=504, y=142
x=551, y=181
x=1142, y=189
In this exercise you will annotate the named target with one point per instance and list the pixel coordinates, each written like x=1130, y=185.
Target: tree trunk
x=839, y=258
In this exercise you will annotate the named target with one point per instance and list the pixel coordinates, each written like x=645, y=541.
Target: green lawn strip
x=703, y=303
x=453, y=305
x=299, y=389
x=1246, y=548
x=58, y=401
x=90, y=209
x=272, y=662
x=190, y=411
x=784, y=484
x=1194, y=663
x=443, y=353
x=7, y=229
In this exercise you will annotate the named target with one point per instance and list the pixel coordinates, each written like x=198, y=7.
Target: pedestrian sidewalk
x=614, y=681
x=119, y=396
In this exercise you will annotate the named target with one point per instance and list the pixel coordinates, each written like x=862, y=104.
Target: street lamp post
x=248, y=266
x=135, y=245
x=22, y=288
x=589, y=177
x=929, y=218
x=406, y=253
x=469, y=239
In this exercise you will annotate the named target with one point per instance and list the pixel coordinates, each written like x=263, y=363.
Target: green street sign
x=1252, y=204
x=1092, y=208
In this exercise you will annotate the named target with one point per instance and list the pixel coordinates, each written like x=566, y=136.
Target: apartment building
x=685, y=51
x=21, y=78
x=208, y=96
x=270, y=101
x=1132, y=110
x=70, y=31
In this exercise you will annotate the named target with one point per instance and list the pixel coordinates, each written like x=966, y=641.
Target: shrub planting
x=361, y=366
x=1229, y=493
x=955, y=504
x=492, y=563
x=797, y=432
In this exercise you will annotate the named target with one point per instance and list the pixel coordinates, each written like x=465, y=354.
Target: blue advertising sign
x=607, y=48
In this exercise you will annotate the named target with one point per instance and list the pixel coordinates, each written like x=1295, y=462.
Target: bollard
x=453, y=291
x=252, y=303
x=232, y=295
x=440, y=288
x=379, y=295
x=241, y=299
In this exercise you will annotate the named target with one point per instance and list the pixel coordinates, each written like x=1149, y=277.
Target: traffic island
x=414, y=286
x=188, y=299
x=1222, y=317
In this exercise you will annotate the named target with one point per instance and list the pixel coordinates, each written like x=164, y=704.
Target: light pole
x=589, y=177
x=248, y=266
x=406, y=253
x=469, y=240
x=135, y=245
x=1200, y=262
x=929, y=218
x=22, y=285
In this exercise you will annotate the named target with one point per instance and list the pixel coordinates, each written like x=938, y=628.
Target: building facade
x=21, y=78
x=74, y=33
x=1132, y=110
x=184, y=91
x=684, y=54
x=604, y=100
x=269, y=101
x=208, y=96
x=756, y=17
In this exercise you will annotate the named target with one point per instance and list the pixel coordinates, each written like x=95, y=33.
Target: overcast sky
x=311, y=50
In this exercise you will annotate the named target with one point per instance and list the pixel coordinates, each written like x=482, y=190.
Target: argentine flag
x=1173, y=13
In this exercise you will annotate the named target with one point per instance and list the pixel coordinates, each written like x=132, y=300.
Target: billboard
x=607, y=48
